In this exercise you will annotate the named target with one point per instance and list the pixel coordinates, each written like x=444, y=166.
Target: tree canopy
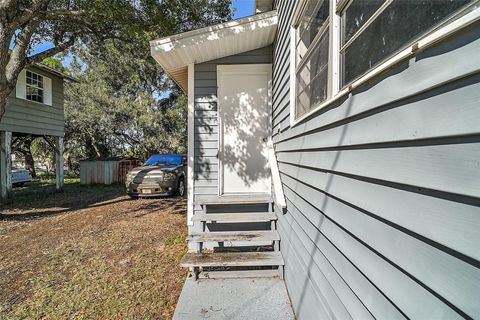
x=24, y=24
x=124, y=103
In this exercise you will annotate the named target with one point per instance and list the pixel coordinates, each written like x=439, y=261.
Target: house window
x=374, y=30
x=34, y=89
x=337, y=45
x=311, y=56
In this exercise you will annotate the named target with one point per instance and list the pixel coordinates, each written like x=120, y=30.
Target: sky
x=242, y=8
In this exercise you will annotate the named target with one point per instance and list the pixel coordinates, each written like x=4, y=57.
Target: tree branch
x=128, y=139
x=17, y=57
x=23, y=16
x=64, y=14
x=52, y=51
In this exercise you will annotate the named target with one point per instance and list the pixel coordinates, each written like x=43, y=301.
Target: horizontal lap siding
x=383, y=189
x=206, y=118
x=25, y=116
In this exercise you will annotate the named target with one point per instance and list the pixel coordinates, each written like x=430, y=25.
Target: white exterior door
x=244, y=106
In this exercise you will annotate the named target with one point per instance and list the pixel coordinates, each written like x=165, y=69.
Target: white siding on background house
x=383, y=188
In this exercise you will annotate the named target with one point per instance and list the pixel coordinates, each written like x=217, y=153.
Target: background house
x=35, y=108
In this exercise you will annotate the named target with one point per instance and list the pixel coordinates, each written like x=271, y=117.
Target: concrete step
x=232, y=200
x=235, y=217
x=234, y=299
x=227, y=236
x=232, y=259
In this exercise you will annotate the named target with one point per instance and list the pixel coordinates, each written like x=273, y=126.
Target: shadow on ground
x=39, y=200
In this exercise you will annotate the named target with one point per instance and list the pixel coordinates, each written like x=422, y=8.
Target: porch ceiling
x=176, y=52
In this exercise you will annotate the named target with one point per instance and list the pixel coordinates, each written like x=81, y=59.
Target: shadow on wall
x=245, y=127
x=206, y=136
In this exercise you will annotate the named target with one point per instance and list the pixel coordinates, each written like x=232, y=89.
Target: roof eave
x=176, y=52
x=55, y=72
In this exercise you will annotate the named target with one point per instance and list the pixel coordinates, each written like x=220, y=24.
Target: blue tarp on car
x=175, y=159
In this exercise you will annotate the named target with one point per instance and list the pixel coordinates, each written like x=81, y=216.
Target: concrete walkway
x=237, y=299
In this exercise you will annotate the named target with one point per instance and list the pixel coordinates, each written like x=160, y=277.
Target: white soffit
x=175, y=53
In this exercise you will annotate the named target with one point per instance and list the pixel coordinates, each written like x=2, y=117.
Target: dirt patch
x=90, y=253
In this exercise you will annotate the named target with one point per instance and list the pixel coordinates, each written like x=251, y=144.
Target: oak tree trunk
x=24, y=146
x=4, y=93
x=30, y=163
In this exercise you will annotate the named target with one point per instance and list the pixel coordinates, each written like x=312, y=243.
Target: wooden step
x=227, y=236
x=232, y=259
x=231, y=274
x=235, y=217
x=227, y=200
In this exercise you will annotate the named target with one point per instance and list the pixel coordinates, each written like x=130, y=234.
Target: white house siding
x=206, y=118
x=25, y=116
x=383, y=189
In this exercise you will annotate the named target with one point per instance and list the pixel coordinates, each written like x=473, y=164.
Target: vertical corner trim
x=292, y=75
x=334, y=50
x=190, y=145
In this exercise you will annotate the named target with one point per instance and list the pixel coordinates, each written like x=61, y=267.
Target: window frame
x=39, y=76
x=313, y=46
x=371, y=20
x=332, y=24
x=455, y=22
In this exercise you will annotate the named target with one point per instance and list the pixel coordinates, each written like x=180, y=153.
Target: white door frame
x=260, y=69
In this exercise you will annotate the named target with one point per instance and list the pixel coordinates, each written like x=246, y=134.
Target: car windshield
x=164, y=159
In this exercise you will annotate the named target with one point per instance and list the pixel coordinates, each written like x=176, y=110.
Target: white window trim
x=34, y=86
x=21, y=88
x=426, y=41
x=333, y=59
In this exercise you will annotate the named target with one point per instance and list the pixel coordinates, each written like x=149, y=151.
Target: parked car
x=20, y=176
x=161, y=174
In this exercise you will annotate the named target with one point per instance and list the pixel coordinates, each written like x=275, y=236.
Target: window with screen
x=35, y=88
x=311, y=56
x=337, y=45
x=374, y=30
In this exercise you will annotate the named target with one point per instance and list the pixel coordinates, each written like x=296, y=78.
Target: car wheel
x=181, y=187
